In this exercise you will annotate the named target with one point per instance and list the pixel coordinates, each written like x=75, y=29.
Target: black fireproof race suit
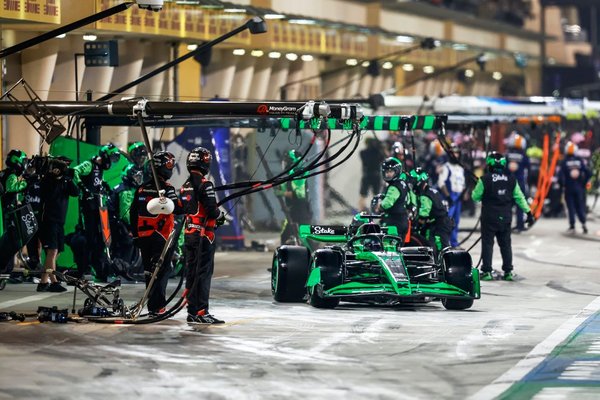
x=201, y=211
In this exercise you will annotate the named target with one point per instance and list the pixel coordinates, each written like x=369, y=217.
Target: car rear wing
x=332, y=233
x=323, y=233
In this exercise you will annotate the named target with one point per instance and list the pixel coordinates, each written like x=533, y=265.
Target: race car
x=370, y=264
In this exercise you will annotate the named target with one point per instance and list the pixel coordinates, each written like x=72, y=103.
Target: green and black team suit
x=296, y=197
x=432, y=211
x=32, y=196
x=13, y=188
x=498, y=190
x=201, y=214
x=396, y=197
x=89, y=176
x=150, y=232
x=138, y=155
x=121, y=198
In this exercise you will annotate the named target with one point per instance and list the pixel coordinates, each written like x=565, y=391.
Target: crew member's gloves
x=530, y=219
x=220, y=219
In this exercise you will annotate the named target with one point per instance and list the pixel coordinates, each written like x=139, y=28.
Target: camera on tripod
x=42, y=166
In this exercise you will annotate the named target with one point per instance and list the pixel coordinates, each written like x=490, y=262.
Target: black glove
x=530, y=219
x=220, y=219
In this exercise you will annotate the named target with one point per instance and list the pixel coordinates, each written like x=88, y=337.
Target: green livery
x=369, y=264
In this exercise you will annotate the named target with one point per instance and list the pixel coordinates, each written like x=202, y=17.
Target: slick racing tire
x=457, y=271
x=332, y=274
x=289, y=273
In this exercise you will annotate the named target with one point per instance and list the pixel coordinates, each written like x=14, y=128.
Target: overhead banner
x=182, y=21
x=315, y=39
x=31, y=10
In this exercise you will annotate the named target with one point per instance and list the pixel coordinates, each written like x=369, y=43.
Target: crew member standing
x=201, y=211
x=295, y=193
x=451, y=183
x=151, y=232
x=497, y=190
x=574, y=175
x=371, y=158
x=396, y=197
x=13, y=184
x=33, y=197
x=518, y=165
x=432, y=211
x=56, y=187
x=89, y=175
x=121, y=199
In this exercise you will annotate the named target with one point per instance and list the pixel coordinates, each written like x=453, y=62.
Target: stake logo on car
x=323, y=230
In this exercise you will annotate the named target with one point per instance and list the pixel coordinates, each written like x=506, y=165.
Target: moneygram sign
x=264, y=109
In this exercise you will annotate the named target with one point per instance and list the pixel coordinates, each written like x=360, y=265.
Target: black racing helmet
x=391, y=164
x=164, y=162
x=199, y=160
x=132, y=176
x=496, y=161
x=16, y=160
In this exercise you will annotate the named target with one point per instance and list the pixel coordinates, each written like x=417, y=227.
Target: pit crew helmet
x=199, y=160
x=455, y=150
x=391, y=164
x=109, y=154
x=516, y=141
x=164, y=162
x=571, y=148
x=291, y=157
x=436, y=149
x=496, y=161
x=421, y=178
x=138, y=153
x=132, y=176
x=15, y=160
x=398, y=150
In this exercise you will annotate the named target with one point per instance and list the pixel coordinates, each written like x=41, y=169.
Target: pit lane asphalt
x=274, y=351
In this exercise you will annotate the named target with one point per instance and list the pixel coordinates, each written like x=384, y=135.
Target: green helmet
x=495, y=161
x=138, y=153
x=421, y=178
x=109, y=154
x=135, y=146
x=15, y=159
x=391, y=164
x=291, y=157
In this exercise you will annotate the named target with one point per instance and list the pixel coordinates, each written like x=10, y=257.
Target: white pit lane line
x=28, y=299
x=537, y=355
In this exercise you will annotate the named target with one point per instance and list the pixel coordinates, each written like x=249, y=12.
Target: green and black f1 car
x=369, y=264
